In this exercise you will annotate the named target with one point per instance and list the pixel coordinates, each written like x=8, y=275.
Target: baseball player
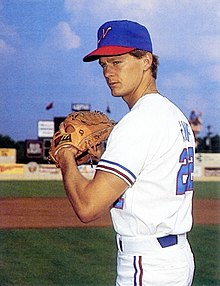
x=145, y=175
x=195, y=121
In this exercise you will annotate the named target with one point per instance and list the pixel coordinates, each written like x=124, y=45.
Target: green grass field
x=55, y=189
x=57, y=257
x=86, y=257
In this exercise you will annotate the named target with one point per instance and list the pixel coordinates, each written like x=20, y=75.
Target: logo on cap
x=104, y=34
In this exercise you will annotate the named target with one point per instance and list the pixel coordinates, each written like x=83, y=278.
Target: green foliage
x=21, y=157
x=215, y=144
x=7, y=142
x=206, y=146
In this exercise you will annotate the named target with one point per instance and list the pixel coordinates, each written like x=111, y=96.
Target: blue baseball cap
x=120, y=37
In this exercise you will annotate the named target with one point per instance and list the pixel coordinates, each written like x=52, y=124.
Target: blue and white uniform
x=152, y=150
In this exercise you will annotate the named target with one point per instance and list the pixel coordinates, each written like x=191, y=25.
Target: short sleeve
x=124, y=154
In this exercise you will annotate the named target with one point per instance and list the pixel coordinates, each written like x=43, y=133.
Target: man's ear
x=148, y=59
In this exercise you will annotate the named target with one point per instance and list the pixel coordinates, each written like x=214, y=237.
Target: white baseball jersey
x=152, y=150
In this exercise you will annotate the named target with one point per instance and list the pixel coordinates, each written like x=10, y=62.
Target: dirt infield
x=57, y=212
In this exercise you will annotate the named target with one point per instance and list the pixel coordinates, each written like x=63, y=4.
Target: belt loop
x=119, y=243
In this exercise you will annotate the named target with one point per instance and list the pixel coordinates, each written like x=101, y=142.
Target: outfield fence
x=207, y=168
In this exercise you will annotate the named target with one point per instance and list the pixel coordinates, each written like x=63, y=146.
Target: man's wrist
x=66, y=155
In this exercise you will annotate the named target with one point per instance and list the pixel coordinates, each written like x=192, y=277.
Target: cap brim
x=107, y=51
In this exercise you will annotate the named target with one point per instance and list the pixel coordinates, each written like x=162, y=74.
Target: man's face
x=123, y=74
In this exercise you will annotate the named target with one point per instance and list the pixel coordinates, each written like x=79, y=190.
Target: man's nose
x=108, y=71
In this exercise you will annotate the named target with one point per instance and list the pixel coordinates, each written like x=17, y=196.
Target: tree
x=7, y=142
x=20, y=147
x=209, y=144
x=215, y=141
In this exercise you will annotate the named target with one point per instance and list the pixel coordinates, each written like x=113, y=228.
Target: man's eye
x=116, y=63
x=103, y=65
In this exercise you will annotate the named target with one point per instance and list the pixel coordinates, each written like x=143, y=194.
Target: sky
x=42, y=43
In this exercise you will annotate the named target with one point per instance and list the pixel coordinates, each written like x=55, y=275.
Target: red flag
x=49, y=106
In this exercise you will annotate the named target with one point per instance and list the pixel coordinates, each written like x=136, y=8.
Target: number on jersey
x=185, y=174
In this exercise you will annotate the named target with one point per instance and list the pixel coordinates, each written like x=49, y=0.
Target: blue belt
x=168, y=240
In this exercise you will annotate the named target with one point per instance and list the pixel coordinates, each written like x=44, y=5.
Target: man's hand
x=85, y=131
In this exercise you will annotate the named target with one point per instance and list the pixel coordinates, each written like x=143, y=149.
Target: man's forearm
x=89, y=198
x=74, y=183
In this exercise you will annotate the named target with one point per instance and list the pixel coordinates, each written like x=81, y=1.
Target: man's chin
x=115, y=94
